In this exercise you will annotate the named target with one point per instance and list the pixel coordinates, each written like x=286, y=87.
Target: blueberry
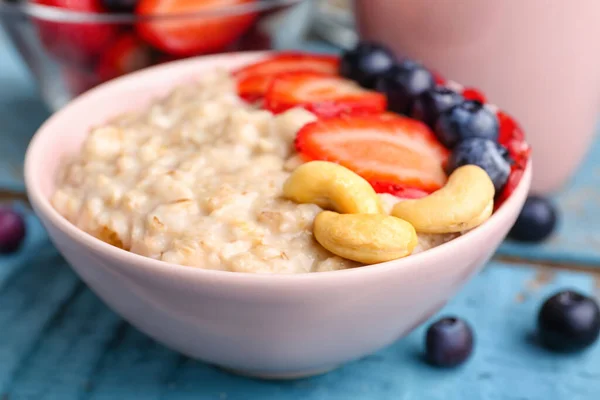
x=536, y=221
x=403, y=83
x=448, y=342
x=466, y=120
x=365, y=63
x=127, y=6
x=568, y=321
x=12, y=230
x=431, y=103
x=485, y=153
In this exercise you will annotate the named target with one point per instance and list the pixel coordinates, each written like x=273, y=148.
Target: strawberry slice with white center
x=324, y=95
x=391, y=153
x=191, y=27
x=254, y=80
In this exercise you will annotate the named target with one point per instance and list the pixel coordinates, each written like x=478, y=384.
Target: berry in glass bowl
x=72, y=46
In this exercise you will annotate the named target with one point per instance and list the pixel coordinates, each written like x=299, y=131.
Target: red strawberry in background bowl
x=78, y=80
x=127, y=54
x=212, y=29
x=72, y=42
x=78, y=44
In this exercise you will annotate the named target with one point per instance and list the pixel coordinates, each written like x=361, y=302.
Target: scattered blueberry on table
x=568, y=321
x=403, y=83
x=536, y=222
x=448, y=342
x=365, y=63
x=12, y=230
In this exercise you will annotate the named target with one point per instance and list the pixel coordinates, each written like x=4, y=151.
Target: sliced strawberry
x=439, y=79
x=291, y=62
x=390, y=115
x=514, y=178
x=473, y=94
x=324, y=95
x=255, y=79
x=128, y=54
x=403, y=192
x=391, y=153
x=519, y=152
x=509, y=129
x=75, y=43
x=253, y=87
x=512, y=137
x=194, y=35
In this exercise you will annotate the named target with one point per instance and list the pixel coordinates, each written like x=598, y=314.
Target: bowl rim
x=42, y=205
x=56, y=14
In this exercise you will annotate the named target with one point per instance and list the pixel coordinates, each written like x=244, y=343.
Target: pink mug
x=537, y=59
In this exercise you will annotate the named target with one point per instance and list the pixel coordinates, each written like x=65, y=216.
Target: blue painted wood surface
x=21, y=113
x=577, y=239
x=60, y=342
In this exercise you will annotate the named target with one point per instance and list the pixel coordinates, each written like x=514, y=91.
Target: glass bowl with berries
x=73, y=45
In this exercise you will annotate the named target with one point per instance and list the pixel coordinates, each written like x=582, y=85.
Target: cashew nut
x=466, y=201
x=333, y=187
x=365, y=238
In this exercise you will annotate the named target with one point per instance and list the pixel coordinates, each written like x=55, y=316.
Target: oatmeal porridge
x=196, y=179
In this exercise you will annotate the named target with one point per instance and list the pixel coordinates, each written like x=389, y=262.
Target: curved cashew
x=331, y=186
x=365, y=238
x=466, y=201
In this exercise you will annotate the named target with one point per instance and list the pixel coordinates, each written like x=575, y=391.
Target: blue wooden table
x=59, y=342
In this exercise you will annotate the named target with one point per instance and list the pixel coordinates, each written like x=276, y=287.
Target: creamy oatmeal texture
x=196, y=179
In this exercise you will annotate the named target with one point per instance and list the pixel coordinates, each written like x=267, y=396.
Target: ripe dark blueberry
x=120, y=5
x=430, y=104
x=365, y=63
x=485, y=153
x=467, y=120
x=568, y=321
x=12, y=230
x=536, y=221
x=403, y=83
x=448, y=342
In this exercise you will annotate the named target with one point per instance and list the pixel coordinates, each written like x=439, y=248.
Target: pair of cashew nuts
x=357, y=229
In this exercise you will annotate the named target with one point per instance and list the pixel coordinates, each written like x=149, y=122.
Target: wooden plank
x=21, y=112
x=74, y=347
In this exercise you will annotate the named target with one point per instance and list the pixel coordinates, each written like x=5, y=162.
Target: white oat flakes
x=195, y=179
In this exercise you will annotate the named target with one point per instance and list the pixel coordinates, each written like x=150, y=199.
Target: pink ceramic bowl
x=276, y=326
